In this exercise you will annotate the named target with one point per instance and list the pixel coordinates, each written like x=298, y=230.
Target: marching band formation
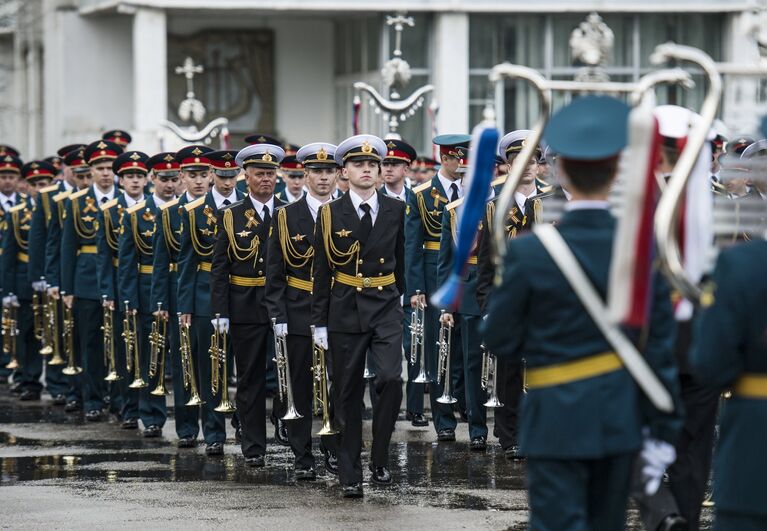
x=316, y=266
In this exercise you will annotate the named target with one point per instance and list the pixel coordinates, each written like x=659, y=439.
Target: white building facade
x=71, y=69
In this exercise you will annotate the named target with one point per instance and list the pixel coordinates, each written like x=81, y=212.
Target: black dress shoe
x=256, y=461
x=478, y=444
x=673, y=522
x=331, y=463
x=152, y=431
x=417, y=419
x=512, y=452
x=94, y=415
x=215, y=448
x=129, y=424
x=306, y=474
x=29, y=395
x=59, y=400
x=354, y=490
x=380, y=475
x=446, y=435
x=281, y=433
x=15, y=388
x=187, y=442
x=72, y=406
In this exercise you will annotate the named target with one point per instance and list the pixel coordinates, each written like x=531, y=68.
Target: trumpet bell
x=72, y=371
x=112, y=377
x=493, y=402
x=47, y=350
x=57, y=360
x=447, y=399
x=13, y=364
x=422, y=377
x=195, y=400
x=292, y=414
x=327, y=429
x=226, y=407
x=160, y=389
x=138, y=383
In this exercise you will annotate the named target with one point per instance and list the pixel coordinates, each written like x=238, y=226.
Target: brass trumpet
x=109, y=343
x=284, y=385
x=219, y=373
x=417, y=331
x=130, y=336
x=444, y=344
x=187, y=364
x=72, y=368
x=52, y=330
x=320, y=380
x=490, y=371
x=157, y=351
x=38, y=320
x=10, y=331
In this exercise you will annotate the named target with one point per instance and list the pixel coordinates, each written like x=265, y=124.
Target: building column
x=150, y=79
x=451, y=72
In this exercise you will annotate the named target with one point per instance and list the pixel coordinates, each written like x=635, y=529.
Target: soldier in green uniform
x=584, y=418
x=80, y=272
x=424, y=230
x=17, y=291
x=194, y=291
x=166, y=244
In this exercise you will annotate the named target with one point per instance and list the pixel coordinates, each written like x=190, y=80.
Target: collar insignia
x=197, y=152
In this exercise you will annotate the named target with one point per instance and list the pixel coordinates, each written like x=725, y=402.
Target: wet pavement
x=58, y=471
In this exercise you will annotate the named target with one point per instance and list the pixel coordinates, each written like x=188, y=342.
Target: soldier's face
x=197, y=182
x=8, y=182
x=102, y=175
x=82, y=179
x=450, y=166
x=224, y=185
x=261, y=181
x=320, y=181
x=342, y=181
x=393, y=172
x=133, y=183
x=295, y=183
x=165, y=185
x=531, y=170
x=362, y=174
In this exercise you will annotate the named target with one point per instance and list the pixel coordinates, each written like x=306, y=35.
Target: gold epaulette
x=16, y=208
x=61, y=195
x=499, y=180
x=135, y=208
x=109, y=204
x=79, y=193
x=454, y=204
x=422, y=187
x=169, y=204
x=51, y=188
x=546, y=189
x=194, y=204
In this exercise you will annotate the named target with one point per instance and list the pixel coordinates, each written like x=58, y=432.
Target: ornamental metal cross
x=399, y=21
x=189, y=70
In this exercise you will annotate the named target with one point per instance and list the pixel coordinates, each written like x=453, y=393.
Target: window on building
x=542, y=42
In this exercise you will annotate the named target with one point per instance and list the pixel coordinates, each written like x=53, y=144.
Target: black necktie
x=453, y=192
x=366, y=223
x=267, y=216
x=226, y=202
x=9, y=203
x=104, y=199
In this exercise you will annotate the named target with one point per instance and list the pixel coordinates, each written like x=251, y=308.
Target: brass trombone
x=109, y=343
x=219, y=373
x=130, y=336
x=489, y=377
x=320, y=380
x=417, y=331
x=52, y=330
x=444, y=344
x=72, y=368
x=10, y=331
x=157, y=351
x=187, y=364
x=284, y=384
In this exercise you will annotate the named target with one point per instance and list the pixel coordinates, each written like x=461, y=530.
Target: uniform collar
x=314, y=204
x=290, y=198
x=100, y=195
x=401, y=196
x=446, y=183
x=5, y=198
x=357, y=201
x=157, y=201
x=259, y=206
x=129, y=201
x=219, y=199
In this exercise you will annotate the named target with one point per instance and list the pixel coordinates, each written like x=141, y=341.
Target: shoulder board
x=61, y=195
x=455, y=204
x=169, y=204
x=546, y=189
x=109, y=204
x=135, y=208
x=16, y=208
x=422, y=187
x=194, y=204
x=47, y=189
x=499, y=180
x=79, y=193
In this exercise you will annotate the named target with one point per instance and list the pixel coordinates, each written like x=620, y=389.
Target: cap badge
x=267, y=157
x=135, y=156
x=366, y=147
x=227, y=156
x=227, y=164
x=391, y=145
x=322, y=154
x=34, y=165
x=261, y=139
x=101, y=145
x=168, y=165
x=168, y=158
x=459, y=152
x=197, y=151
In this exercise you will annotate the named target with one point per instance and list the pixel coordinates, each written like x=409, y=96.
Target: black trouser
x=300, y=430
x=509, y=393
x=28, y=349
x=213, y=423
x=88, y=317
x=349, y=350
x=249, y=342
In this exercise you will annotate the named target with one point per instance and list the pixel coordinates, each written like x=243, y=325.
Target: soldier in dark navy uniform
x=238, y=279
x=358, y=280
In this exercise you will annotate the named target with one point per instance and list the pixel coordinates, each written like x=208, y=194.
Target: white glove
x=9, y=301
x=321, y=337
x=281, y=329
x=221, y=324
x=39, y=285
x=656, y=456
